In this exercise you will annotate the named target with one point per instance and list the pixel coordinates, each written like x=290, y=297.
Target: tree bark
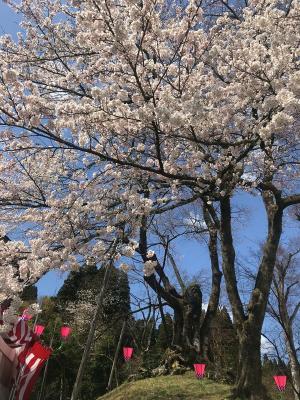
x=216, y=276
x=295, y=368
x=192, y=311
x=249, y=379
x=249, y=383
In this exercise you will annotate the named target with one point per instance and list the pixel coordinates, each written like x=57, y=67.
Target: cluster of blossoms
x=125, y=267
x=149, y=267
x=150, y=264
x=82, y=310
x=10, y=314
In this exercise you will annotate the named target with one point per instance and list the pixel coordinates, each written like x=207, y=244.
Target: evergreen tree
x=89, y=278
x=77, y=280
x=29, y=294
x=224, y=347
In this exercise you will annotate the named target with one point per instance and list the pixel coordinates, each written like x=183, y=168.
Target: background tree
x=75, y=305
x=224, y=347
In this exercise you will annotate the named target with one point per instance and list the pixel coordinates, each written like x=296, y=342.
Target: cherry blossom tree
x=56, y=223
x=111, y=111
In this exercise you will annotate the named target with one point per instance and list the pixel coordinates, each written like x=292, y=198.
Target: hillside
x=180, y=387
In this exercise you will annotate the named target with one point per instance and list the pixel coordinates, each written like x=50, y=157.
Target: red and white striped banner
x=31, y=365
x=20, y=334
x=30, y=353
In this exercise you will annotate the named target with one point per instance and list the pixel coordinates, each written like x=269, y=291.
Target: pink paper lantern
x=38, y=330
x=127, y=352
x=199, y=370
x=65, y=332
x=280, y=381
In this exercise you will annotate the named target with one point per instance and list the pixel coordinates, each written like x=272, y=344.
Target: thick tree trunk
x=249, y=381
x=177, y=340
x=187, y=320
x=192, y=311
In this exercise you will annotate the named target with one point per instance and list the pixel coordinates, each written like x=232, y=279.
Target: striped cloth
x=31, y=363
x=20, y=334
x=31, y=357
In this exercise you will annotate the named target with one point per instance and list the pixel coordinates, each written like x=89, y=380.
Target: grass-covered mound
x=182, y=387
x=177, y=387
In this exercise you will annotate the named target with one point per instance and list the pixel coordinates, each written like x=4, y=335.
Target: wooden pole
x=116, y=357
x=46, y=366
x=35, y=321
x=89, y=341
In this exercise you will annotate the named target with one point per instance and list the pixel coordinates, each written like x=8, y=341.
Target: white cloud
x=195, y=220
x=266, y=346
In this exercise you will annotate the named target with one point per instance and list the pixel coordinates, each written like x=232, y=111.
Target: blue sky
x=9, y=21
x=193, y=257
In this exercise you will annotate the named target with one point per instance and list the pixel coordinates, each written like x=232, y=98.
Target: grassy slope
x=181, y=387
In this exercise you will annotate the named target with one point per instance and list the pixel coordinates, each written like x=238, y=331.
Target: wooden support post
x=116, y=357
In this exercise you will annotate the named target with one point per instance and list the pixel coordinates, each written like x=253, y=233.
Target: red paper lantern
x=39, y=329
x=65, y=332
x=127, y=352
x=199, y=370
x=280, y=381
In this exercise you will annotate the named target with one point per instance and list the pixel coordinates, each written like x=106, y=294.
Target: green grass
x=179, y=387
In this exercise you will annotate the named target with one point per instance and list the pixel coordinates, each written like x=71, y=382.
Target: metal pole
x=116, y=357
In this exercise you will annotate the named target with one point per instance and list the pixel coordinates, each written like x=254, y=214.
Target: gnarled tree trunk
x=187, y=319
x=190, y=330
